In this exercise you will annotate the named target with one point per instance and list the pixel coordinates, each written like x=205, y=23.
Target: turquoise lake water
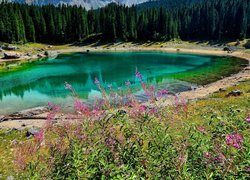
x=43, y=81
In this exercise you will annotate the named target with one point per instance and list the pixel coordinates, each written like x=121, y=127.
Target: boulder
x=11, y=55
x=50, y=53
x=32, y=131
x=29, y=54
x=9, y=48
x=247, y=68
x=229, y=49
x=222, y=90
x=234, y=93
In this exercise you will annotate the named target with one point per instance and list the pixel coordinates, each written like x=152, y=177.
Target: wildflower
x=162, y=92
x=153, y=110
x=111, y=142
x=142, y=108
x=138, y=75
x=248, y=119
x=207, y=157
x=39, y=137
x=96, y=81
x=80, y=107
x=128, y=83
x=53, y=107
x=67, y=86
x=201, y=129
x=234, y=140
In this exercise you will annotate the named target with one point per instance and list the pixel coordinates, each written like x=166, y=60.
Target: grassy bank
x=196, y=133
x=223, y=67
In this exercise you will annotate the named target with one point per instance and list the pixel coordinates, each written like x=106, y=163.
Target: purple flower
x=142, y=108
x=80, y=107
x=67, y=86
x=248, y=119
x=234, y=140
x=138, y=75
x=111, y=142
x=53, y=107
x=162, y=92
x=96, y=81
x=39, y=137
x=128, y=83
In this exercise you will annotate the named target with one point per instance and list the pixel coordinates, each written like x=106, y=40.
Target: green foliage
x=225, y=19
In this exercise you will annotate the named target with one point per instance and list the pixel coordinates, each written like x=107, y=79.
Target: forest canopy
x=211, y=20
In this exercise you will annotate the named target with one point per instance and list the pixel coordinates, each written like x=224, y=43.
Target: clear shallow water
x=43, y=81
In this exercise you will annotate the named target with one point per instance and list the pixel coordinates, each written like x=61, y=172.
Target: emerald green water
x=43, y=81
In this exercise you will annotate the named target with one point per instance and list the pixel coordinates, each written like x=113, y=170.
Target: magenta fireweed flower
x=207, y=157
x=138, y=75
x=111, y=142
x=153, y=111
x=234, y=140
x=39, y=137
x=97, y=82
x=67, y=86
x=162, y=92
x=248, y=119
x=142, y=108
x=80, y=107
x=54, y=107
x=128, y=83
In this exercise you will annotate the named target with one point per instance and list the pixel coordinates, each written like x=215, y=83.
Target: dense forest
x=213, y=19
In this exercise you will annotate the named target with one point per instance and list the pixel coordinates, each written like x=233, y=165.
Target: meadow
x=120, y=138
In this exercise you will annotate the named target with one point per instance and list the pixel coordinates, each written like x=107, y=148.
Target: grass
x=7, y=139
x=215, y=114
x=208, y=74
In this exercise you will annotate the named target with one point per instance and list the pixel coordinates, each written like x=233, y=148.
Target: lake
x=40, y=82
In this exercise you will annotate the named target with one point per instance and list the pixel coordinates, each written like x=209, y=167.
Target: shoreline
x=38, y=114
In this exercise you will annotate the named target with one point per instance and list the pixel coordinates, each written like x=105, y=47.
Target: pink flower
x=80, y=107
x=67, y=86
x=96, y=81
x=153, y=111
x=142, y=108
x=54, y=107
x=138, y=75
x=128, y=83
x=162, y=92
x=248, y=119
x=39, y=137
x=234, y=140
